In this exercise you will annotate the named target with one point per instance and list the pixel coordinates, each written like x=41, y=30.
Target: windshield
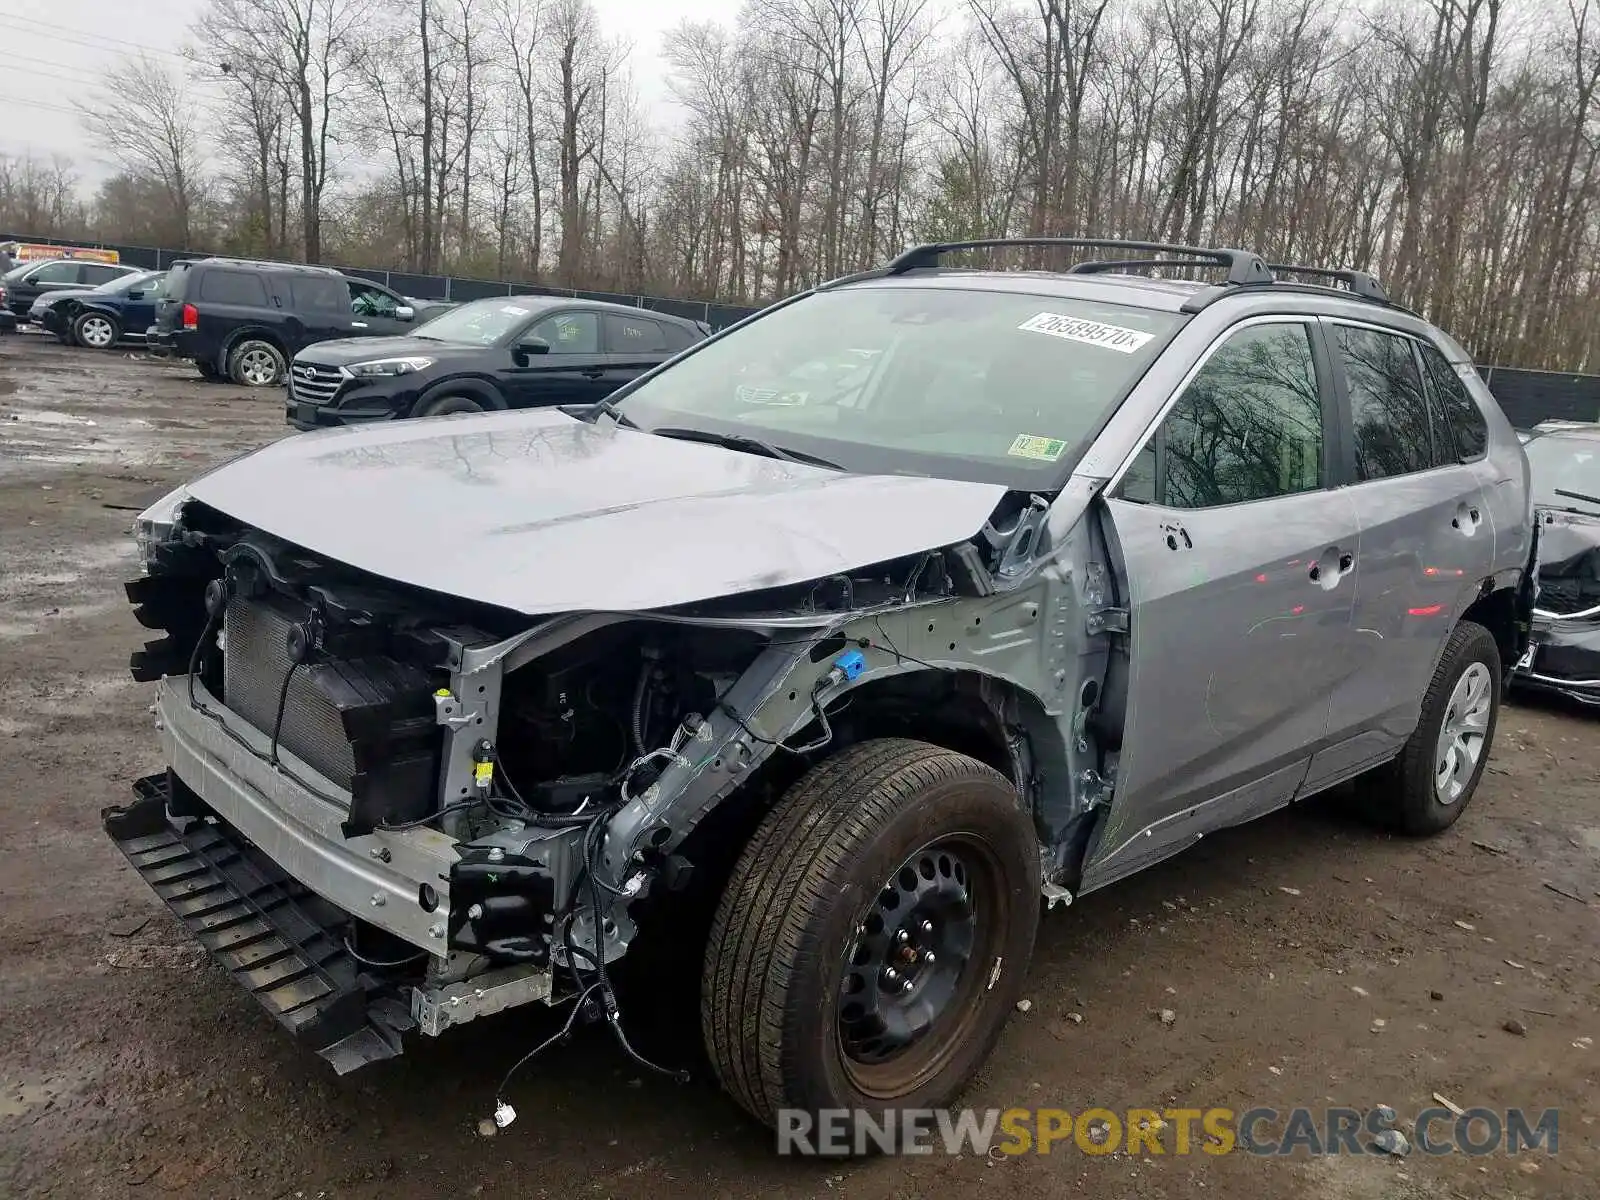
x=150, y=282
x=993, y=387
x=1571, y=464
x=477, y=323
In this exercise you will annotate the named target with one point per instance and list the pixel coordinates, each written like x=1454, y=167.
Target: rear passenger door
x=1425, y=543
x=319, y=307
x=1235, y=548
x=227, y=299
x=636, y=344
x=94, y=274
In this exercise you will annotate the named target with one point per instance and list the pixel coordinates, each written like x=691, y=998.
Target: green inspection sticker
x=1042, y=448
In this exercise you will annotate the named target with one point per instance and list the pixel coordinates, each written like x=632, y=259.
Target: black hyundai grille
x=365, y=723
x=313, y=384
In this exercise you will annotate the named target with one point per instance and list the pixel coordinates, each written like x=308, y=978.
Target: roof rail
x=1360, y=282
x=1242, y=266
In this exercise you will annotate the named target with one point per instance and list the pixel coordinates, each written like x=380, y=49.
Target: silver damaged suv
x=810, y=664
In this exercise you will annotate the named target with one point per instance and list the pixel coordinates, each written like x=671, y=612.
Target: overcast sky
x=55, y=50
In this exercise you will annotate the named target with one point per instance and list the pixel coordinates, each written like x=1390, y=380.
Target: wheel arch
x=971, y=712
x=461, y=385
x=1496, y=609
x=252, y=333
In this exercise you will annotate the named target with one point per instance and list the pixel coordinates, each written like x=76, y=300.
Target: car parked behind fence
x=99, y=318
x=243, y=321
x=1565, y=655
x=27, y=281
x=510, y=352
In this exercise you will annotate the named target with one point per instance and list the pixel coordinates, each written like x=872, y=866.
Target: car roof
x=537, y=303
x=1165, y=295
x=257, y=265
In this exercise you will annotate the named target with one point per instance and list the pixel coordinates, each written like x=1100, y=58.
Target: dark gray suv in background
x=825, y=653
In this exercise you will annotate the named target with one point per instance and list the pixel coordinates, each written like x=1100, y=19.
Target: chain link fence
x=1527, y=397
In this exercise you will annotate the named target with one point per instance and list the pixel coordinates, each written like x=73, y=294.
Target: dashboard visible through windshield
x=996, y=387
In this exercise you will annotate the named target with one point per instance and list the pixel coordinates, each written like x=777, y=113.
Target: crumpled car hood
x=540, y=513
x=1569, y=561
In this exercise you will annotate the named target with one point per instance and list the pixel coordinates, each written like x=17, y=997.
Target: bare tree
x=146, y=124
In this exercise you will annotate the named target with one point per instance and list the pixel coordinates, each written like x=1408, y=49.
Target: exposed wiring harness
x=381, y=964
x=588, y=984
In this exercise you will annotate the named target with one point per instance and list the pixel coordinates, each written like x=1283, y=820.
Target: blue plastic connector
x=850, y=664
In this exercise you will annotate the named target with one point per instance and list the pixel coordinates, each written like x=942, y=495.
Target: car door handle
x=592, y=372
x=1343, y=560
x=358, y=324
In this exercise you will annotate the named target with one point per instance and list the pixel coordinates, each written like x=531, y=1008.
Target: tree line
x=1451, y=146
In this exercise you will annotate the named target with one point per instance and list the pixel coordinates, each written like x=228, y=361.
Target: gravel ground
x=1305, y=960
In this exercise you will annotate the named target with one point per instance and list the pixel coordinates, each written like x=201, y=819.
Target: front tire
x=255, y=362
x=96, y=331
x=1436, y=775
x=874, y=935
x=444, y=406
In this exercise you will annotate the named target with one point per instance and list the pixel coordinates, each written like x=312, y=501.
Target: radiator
x=366, y=724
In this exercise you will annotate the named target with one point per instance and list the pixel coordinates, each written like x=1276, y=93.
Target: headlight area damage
x=389, y=809
x=1565, y=654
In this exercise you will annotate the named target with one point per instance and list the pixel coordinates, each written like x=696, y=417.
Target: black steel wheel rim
x=911, y=979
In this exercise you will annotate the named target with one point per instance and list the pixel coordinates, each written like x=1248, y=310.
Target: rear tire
x=256, y=362
x=1424, y=790
x=444, y=406
x=811, y=998
x=96, y=331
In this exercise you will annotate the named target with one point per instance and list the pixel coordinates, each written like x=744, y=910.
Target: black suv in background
x=505, y=352
x=243, y=321
x=25, y=283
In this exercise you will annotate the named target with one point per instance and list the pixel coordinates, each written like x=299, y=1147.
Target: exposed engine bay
x=482, y=801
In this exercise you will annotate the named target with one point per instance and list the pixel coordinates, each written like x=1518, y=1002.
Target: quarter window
x=1248, y=427
x=1451, y=399
x=570, y=333
x=232, y=287
x=1388, y=411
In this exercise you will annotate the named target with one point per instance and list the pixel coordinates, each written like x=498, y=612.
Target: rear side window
x=94, y=274
x=677, y=337
x=1249, y=427
x=177, y=281
x=1388, y=410
x=232, y=287
x=633, y=335
x=1456, y=405
x=319, y=293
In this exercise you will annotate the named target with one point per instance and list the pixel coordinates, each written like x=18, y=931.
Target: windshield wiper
x=599, y=407
x=751, y=445
x=1577, y=496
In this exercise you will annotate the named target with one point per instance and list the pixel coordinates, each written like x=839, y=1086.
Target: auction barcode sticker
x=1093, y=333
